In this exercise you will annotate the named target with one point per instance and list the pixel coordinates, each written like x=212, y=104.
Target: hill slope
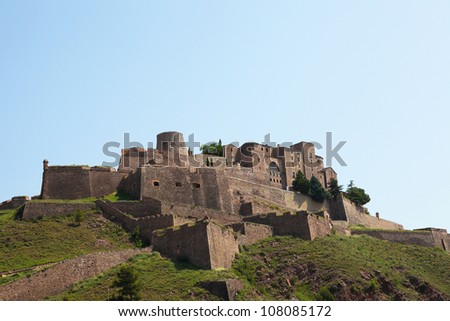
x=27, y=244
x=343, y=268
x=286, y=268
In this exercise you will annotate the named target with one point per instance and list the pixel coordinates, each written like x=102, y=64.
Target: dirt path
x=62, y=276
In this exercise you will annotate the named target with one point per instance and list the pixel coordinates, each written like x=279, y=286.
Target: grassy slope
x=344, y=268
x=24, y=244
x=161, y=278
x=284, y=268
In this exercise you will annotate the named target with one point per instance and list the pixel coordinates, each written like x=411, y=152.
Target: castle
x=202, y=207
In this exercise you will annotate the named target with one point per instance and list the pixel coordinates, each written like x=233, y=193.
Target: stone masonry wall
x=422, y=238
x=223, y=246
x=203, y=243
x=146, y=224
x=440, y=237
x=205, y=187
x=198, y=212
x=188, y=242
x=301, y=224
x=15, y=202
x=344, y=209
x=146, y=207
x=75, y=182
x=249, y=233
x=35, y=209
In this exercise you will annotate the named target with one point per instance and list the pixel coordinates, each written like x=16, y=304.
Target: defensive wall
x=301, y=224
x=198, y=212
x=249, y=233
x=200, y=186
x=15, y=202
x=76, y=182
x=344, y=209
x=146, y=224
x=430, y=237
x=230, y=191
x=203, y=243
x=146, y=207
x=35, y=209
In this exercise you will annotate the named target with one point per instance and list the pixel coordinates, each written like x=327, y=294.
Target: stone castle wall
x=37, y=209
x=344, y=209
x=15, y=202
x=146, y=224
x=249, y=233
x=76, y=182
x=423, y=238
x=146, y=207
x=201, y=187
x=198, y=212
x=204, y=243
x=223, y=246
x=301, y=224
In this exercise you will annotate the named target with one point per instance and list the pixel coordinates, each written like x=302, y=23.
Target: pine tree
x=128, y=283
x=220, y=149
x=335, y=188
x=207, y=161
x=301, y=183
x=211, y=162
x=317, y=191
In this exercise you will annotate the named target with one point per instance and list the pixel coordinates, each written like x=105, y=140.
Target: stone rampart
x=249, y=233
x=15, y=202
x=146, y=224
x=302, y=224
x=146, y=207
x=418, y=237
x=76, y=182
x=203, y=243
x=35, y=209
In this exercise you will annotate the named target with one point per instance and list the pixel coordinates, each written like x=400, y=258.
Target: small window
x=196, y=185
x=178, y=184
x=156, y=183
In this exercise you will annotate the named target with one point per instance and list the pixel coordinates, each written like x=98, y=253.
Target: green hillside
x=26, y=244
x=343, y=268
x=286, y=268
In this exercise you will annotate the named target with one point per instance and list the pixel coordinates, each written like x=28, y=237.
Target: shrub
x=136, y=237
x=79, y=217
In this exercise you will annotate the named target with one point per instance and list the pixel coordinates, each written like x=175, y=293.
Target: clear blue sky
x=77, y=74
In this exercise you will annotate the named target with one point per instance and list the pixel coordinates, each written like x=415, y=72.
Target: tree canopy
x=213, y=148
x=357, y=195
x=301, y=183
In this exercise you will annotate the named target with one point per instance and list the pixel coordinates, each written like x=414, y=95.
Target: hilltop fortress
x=202, y=207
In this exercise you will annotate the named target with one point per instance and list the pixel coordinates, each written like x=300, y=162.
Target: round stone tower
x=175, y=139
x=173, y=149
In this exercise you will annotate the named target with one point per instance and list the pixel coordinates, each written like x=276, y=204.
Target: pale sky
x=77, y=74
